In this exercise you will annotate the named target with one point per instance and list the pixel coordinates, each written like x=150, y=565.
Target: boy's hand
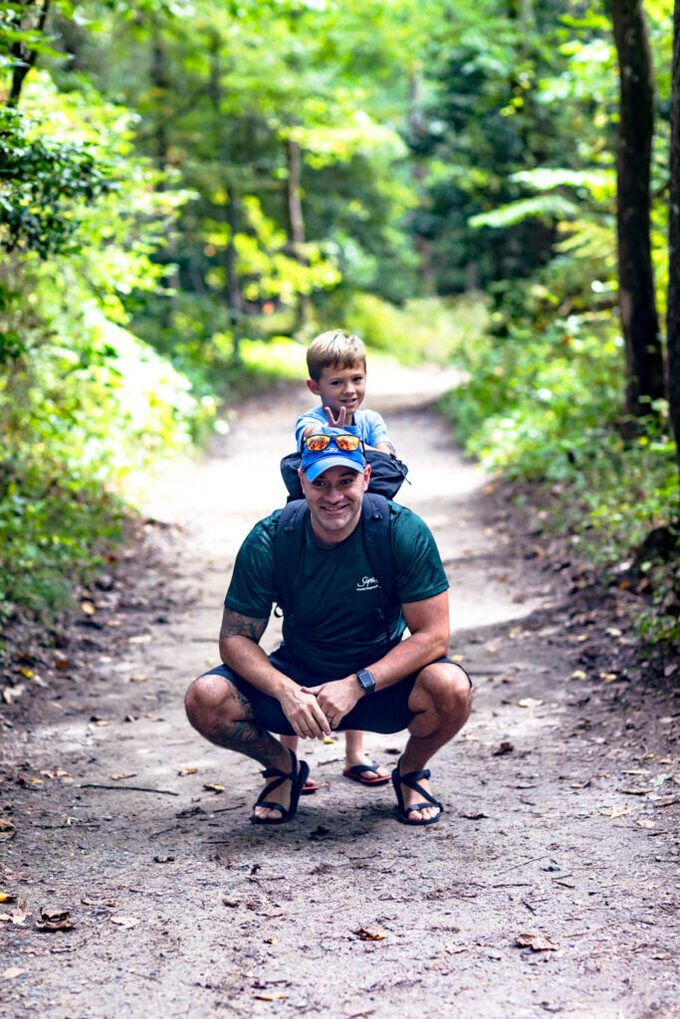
x=338, y=422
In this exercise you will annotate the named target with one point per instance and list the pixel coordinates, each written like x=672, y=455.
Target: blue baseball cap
x=316, y=461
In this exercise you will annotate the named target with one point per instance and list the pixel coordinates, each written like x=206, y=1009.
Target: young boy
x=336, y=362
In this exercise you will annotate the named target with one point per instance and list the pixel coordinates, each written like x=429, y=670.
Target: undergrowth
x=546, y=409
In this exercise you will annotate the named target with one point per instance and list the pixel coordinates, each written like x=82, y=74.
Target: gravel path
x=551, y=885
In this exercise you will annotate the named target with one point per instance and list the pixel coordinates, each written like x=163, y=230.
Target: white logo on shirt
x=367, y=584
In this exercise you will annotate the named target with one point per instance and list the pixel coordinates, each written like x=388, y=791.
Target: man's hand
x=304, y=713
x=334, y=422
x=337, y=698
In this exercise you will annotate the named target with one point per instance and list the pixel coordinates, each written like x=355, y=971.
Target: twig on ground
x=129, y=789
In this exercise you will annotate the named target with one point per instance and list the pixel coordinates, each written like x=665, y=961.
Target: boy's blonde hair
x=334, y=347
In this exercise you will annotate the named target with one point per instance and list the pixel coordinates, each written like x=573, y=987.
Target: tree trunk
x=637, y=302
x=296, y=223
x=673, y=319
x=25, y=58
x=228, y=211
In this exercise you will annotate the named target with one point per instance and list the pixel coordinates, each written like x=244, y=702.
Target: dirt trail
x=562, y=793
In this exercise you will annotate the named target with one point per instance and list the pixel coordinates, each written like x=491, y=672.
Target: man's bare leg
x=440, y=701
x=221, y=713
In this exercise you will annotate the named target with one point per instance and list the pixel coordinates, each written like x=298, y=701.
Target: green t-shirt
x=338, y=626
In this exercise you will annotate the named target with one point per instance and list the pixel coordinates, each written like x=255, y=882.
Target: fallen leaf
x=504, y=748
x=124, y=774
x=60, y=662
x=12, y=693
x=213, y=787
x=88, y=608
x=474, y=817
x=7, y=897
x=614, y=811
x=141, y=638
x=578, y=674
x=163, y=859
x=364, y=934
x=28, y=673
x=514, y=632
x=529, y=702
x=138, y=679
x=187, y=771
x=275, y=996
x=12, y=973
x=125, y=921
x=6, y=825
x=536, y=942
x=613, y=631
x=232, y=903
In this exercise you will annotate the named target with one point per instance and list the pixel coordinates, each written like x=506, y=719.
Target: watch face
x=366, y=680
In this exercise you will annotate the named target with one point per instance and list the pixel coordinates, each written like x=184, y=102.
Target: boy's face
x=341, y=387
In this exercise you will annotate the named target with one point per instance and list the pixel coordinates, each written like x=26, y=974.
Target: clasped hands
x=314, y=711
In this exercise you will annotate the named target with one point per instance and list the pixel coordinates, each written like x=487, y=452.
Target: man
x=343, y=663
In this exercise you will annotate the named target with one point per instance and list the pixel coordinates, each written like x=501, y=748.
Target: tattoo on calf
x=247, y=738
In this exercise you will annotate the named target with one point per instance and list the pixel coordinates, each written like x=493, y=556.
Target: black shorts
x=384, y=711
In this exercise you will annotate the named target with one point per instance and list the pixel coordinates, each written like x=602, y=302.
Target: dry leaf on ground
x=12, y=973
x=613, y=812
x=365, y=934
x=536, y=942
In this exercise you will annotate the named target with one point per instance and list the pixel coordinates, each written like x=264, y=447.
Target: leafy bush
x=546, y=409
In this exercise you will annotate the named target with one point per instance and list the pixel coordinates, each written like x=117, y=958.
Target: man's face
x=334, y=500
x=341, y=387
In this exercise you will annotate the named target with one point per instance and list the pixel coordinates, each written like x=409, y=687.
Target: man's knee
x=446, y=686
x=207, y=696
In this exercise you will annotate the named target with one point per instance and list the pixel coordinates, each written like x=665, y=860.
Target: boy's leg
x=356, y=757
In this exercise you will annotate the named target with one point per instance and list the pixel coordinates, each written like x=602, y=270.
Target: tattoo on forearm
x=236, y=625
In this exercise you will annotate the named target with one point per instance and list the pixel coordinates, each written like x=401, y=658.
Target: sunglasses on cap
x=317, y=443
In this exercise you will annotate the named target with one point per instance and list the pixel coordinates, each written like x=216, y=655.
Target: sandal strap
x=271, y=805
x=279, y=778
x=411, y=780
x=422, y=806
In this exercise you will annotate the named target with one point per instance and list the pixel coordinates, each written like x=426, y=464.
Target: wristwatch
x=366, y=681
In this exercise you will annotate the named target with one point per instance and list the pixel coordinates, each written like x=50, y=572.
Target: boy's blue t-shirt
x=368, y=425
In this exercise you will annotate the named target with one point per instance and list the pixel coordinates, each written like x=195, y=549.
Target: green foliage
x=545, y=408
x=38, y=183
x=82, y=401
x=426, y=329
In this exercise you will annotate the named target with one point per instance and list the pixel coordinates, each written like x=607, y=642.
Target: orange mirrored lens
x=315, y=443
x=347, y=442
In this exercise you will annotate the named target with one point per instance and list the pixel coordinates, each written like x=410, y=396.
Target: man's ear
x=314, y=387
x=367, y=475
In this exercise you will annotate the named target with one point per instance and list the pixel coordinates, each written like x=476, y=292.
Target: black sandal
x=298, y=777
x=411, y=779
